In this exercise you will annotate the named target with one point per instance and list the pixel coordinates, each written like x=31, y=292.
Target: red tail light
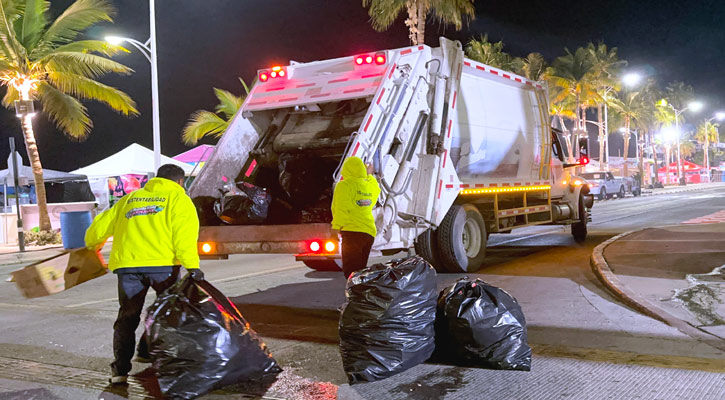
x=315, y=246
x=272, y=73
x=377, y=58
x=584, y=160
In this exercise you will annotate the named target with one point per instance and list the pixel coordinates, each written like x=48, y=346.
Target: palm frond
x=11, y=94
x=85, y=46
x=68, y=114
x=9, y=14
x=81, y=15
x=85, y=64
x=383, y=12
x=34, y=21
x=228, y=103
x=244, y=84
x=453, y=12
x=203, y=123
x=89, y=89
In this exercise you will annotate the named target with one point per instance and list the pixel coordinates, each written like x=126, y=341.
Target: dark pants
x=132, y=288
x=355, y=251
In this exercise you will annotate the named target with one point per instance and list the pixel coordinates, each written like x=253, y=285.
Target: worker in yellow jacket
x=352, y=213
x=155, y=230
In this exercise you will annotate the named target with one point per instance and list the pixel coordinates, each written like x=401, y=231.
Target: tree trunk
x=600, y=119
x=412, y=21
x=625, y=153
x=32, y=149
x=707, y=155
x=422, y=14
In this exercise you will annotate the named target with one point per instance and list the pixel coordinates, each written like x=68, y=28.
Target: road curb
x=683, y=190
x=601, y=269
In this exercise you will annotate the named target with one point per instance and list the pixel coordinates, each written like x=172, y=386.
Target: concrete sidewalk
x=680, y=189
x=675, y=274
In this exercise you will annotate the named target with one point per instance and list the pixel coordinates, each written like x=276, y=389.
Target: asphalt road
x=569, y=314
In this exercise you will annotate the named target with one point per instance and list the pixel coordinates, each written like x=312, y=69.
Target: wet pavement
x=678, y=268
x=586, y=343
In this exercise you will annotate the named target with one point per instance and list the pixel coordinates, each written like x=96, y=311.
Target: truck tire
x=324, y=265
x=602, y=193
x=621, y=193
x=462, y=239
x=579, y=229
x=426, y=246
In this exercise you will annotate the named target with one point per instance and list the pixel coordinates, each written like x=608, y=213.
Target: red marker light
x=380, y=59
x=358, y=60
x=263, y=76
x=368, y=60
x=584, y=160
x=315, y=246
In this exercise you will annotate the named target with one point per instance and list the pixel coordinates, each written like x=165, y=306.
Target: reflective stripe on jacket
x=354, y=198
x=153, y=226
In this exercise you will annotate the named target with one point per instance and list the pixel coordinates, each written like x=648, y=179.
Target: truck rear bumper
x=249, y=239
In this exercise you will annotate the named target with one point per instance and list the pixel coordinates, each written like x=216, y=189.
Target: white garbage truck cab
x=460, y=150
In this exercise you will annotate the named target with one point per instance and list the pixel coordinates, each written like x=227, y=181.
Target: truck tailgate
x=234, y=239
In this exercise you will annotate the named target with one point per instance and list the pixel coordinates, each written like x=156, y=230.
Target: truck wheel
x=324, y=265
x=621, y=193
x=579, y=229
x=462, y=239
x=603, y=193
x=426, y=246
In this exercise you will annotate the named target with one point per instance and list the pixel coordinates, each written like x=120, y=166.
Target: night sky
x=210, y=43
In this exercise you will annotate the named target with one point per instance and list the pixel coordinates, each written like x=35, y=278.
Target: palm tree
x=533, y=67
x=42, y=60
x=631, y=107
x=572, y=76
x=489, y=53
x=448, y=12
x=606, y=66
x=204, y=123
x=707, y=132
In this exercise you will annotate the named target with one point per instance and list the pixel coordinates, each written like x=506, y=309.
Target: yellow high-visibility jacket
x=152, y=227
x=354, y=198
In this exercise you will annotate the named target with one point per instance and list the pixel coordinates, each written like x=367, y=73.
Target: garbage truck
x=460, y=149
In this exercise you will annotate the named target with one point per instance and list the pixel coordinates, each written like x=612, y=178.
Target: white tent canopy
x=134, y=159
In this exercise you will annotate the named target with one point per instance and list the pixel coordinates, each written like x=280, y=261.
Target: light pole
x=148, y=49
x=718, y=116
x=695, y=106
x=640, y=150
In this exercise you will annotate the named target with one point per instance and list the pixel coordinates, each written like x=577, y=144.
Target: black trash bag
x=303, y=178
x=481, y=325
x=319, y=211
x=245, y=204
x=199, y=341
x=388, y=320
x=205, y=210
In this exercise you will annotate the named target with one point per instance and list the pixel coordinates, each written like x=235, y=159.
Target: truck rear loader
x=461, y=150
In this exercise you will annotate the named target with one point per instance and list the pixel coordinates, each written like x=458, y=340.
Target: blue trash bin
x=73, y=226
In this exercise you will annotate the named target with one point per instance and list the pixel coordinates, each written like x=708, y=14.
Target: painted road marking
x=708, y=219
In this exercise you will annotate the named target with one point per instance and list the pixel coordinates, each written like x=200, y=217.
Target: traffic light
x=584, y=151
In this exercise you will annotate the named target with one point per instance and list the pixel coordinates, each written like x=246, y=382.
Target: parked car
x=604, y=185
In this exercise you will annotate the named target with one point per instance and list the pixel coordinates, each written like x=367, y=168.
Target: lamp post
x=695, y=106
x=148, y=49
x=640, y=150
x=718, y=116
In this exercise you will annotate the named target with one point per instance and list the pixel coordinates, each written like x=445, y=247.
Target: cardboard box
x=59, y=272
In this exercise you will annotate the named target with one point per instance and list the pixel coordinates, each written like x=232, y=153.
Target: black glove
x=196, y=274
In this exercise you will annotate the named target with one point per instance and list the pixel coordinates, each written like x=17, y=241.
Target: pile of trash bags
x=243, y=204
x=199, y=341
x=394, y=319
x=481, y=325
x=387, y=322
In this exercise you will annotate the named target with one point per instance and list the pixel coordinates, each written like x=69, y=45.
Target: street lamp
x=148, y=49
x=718, y=116
x=631, y=79
x=693, y=106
